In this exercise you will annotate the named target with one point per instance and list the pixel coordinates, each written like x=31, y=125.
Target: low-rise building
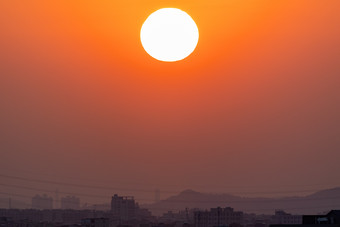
x=282, y=217
x=95, y=222
x=217, y=217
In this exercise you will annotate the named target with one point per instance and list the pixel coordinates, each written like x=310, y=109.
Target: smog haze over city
x=253, y=112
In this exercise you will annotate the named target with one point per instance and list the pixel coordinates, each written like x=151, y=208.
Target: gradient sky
x=253, y=111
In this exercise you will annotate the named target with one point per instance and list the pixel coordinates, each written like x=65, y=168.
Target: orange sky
x=255, y=108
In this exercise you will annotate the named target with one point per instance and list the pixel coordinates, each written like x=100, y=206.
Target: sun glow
x=169, y=34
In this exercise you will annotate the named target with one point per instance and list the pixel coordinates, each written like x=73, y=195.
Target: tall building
x=217, y=217
x=43, y=202
x=123, y=207
x=70, y=202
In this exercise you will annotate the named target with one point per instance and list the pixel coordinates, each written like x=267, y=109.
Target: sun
x=169, y=35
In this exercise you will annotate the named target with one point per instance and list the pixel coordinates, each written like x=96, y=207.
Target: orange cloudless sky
x=254, y=110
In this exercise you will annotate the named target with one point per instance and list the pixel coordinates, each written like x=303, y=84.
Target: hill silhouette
x=317, y=202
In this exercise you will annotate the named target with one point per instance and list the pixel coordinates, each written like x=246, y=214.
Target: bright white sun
x=169, y=34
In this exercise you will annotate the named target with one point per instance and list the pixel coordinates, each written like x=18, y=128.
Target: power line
x=77, y=185
x=108, y=188
x=232, y=187
x=236, y=200
x=51, y=191
x=175, y=209
x=25, y=171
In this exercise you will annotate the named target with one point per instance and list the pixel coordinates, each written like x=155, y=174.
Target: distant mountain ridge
x=317, y=202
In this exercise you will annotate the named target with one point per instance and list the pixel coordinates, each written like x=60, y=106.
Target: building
x=95, y=222
x=70, y=203
x=43, y=202
x=123, y=207
x=53, y=217
x=282, y=217
x=217, y=217
x=332, y=219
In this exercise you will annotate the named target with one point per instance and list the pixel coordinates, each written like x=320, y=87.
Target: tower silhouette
x=157, y=195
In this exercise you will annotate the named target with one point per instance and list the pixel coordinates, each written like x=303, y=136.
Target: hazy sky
x=254, y=110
